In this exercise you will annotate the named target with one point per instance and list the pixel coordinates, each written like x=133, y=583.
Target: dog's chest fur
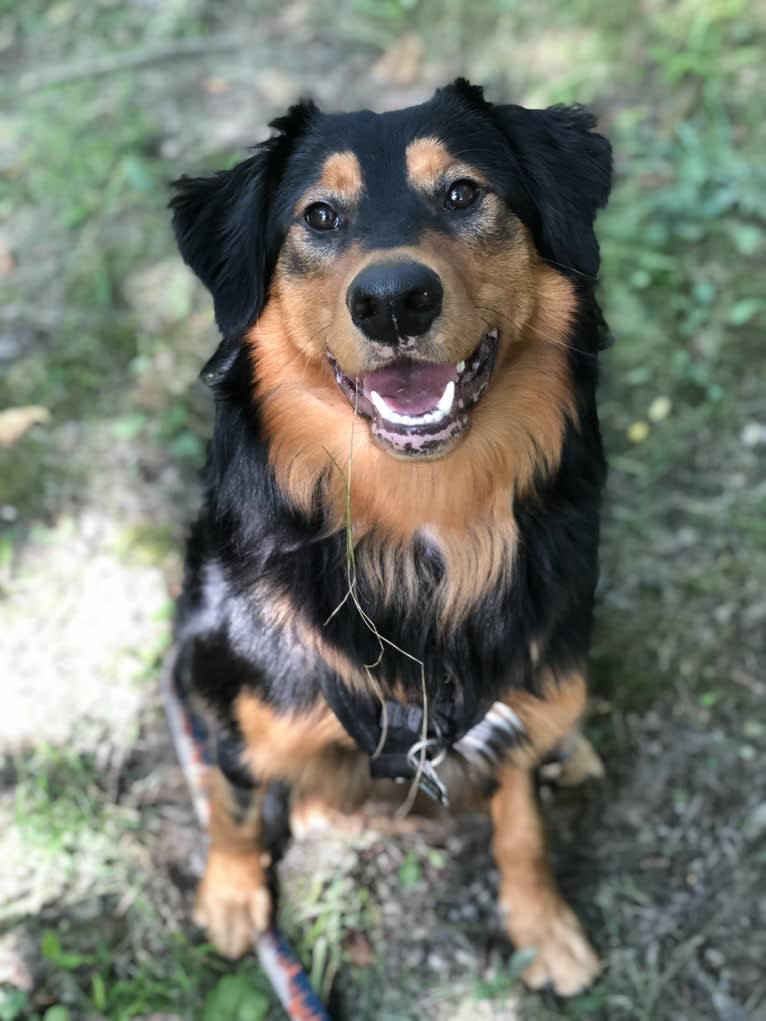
x=276, y=606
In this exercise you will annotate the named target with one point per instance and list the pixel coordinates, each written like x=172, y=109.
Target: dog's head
x=405, y=253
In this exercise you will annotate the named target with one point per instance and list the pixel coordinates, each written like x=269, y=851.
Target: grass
x=82, y=858
x=190, y=978
x=106, y=332
x=333, y=907
x=58, y=800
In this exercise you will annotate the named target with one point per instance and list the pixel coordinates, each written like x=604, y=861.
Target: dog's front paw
x=564, y=960
x=233, y=901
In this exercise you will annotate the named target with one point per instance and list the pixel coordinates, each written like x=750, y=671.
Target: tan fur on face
x=464, y=503
x=427, y=160
x=497, y=283
x=342, y=176
x=313, y=306
x=488, y=276
x=492, y=277
x=340, y=185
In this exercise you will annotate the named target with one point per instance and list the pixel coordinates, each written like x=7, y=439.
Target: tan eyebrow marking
x=429, y=163
x=342, y=176
x=427, y=159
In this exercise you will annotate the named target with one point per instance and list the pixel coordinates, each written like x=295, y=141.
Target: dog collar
x=403, y=753
x=398, y=748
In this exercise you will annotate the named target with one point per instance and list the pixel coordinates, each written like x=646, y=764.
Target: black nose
x=392, y=300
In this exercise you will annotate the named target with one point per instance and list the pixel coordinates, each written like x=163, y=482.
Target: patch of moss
x=146, y=543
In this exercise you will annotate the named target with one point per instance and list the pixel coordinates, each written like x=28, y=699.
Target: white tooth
x=380, y=405
x=440, y=411
x=385, y=412
x=493, y=333
x=460, y=366
x=445, y=401
x=393, y=416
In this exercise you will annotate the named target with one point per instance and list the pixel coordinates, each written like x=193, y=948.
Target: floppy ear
x=220, y=227
x=568, y=172
x=220, y=224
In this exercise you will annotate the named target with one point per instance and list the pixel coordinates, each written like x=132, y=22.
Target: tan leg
x=535, y=914
x=551, y=719
x=233, y=899
x=310, y=752
x=314, y=815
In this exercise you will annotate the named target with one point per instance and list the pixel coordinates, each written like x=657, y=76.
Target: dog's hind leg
x=247, y=833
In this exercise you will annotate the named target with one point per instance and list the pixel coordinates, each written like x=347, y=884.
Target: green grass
x=58, y=800
x=68, y=824
x=190, y=980
x=332, y=908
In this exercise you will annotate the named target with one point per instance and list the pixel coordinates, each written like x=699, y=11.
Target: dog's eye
x=461, y=194
x=320, y=216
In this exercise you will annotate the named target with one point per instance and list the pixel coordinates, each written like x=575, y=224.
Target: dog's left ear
x=221, y=225
x=568, y=173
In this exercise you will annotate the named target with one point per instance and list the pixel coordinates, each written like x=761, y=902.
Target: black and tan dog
x=393, y=573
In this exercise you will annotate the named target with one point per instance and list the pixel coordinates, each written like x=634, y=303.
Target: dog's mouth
x=420, y=409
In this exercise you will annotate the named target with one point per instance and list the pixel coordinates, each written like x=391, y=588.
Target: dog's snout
x=392, y=300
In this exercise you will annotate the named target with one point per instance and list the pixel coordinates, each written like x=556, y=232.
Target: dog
x=392, y=576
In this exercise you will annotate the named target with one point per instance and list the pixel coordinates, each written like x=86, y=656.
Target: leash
x=191, y=738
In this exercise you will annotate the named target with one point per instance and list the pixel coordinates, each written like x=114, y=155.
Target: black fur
x=554, y=173
x=221, y=225
x=568, y=171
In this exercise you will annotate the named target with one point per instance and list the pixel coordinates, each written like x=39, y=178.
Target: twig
x=112, y=63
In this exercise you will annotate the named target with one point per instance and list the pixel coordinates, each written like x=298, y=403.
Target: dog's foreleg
x=534, y=912
x=536, y=916
x=247, y=832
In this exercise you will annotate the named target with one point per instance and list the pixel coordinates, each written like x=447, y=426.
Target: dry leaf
x=14, y=422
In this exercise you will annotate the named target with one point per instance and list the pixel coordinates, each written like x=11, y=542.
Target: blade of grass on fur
x=382, y=641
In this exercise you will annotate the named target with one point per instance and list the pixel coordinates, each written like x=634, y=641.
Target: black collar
x=393, y=736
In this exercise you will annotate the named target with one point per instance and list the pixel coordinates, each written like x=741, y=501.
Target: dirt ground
x=102, y=333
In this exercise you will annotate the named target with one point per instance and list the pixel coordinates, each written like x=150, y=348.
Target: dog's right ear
x=220, y=228
x=221, y=222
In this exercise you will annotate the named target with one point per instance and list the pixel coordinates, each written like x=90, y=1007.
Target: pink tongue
x=410, y=387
